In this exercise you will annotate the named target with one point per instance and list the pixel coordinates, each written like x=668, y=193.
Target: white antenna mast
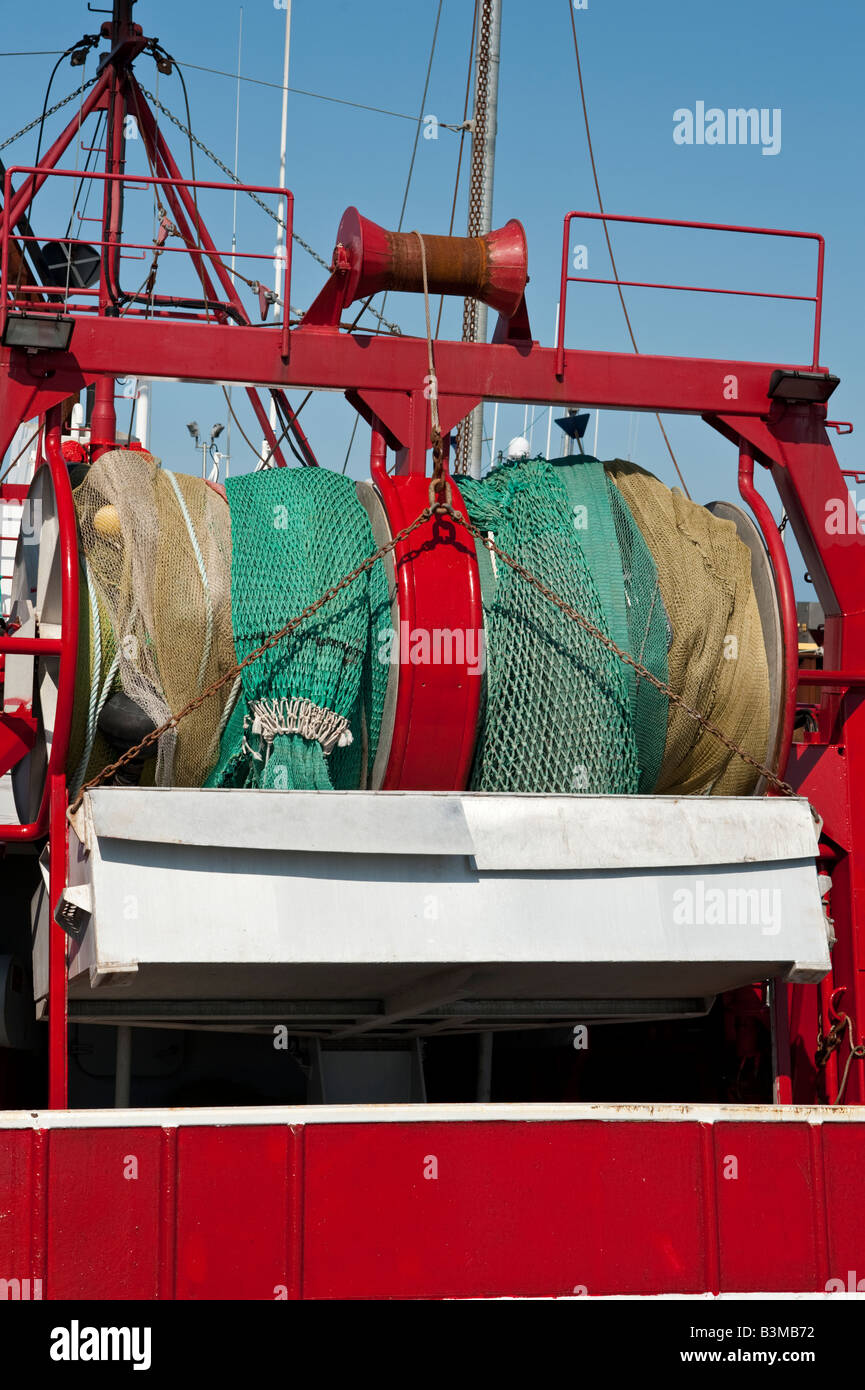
x=280, y=231
x=234, y=216
x=488, y=39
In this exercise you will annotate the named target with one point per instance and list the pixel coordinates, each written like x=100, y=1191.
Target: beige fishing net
x=156, y=620
x=717, y=658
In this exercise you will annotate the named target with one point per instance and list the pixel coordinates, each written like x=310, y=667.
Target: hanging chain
x=831, y=1041
x=50, y=112
x=476, y=200
x=280, y=221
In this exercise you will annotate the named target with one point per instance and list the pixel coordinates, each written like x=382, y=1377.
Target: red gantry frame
x=774, y=414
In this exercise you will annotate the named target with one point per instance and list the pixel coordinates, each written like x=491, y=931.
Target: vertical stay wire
x=462, y=145
x=367, y=302
x=607, y=235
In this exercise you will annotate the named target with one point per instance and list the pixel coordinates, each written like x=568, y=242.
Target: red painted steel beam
x=850, y=678
x=330, y=1208
x=329, y=360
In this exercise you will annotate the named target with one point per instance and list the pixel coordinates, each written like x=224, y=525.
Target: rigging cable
x=608, y=239
x=367, y=302
x=392, y=327
x=318, y=96
x=463, y=131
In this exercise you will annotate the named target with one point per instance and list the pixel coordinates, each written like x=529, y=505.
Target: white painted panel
x=500, y=832
x=314, y=882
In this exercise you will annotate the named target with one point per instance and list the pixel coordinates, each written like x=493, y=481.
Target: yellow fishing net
x=717, y=657
x=156, y=609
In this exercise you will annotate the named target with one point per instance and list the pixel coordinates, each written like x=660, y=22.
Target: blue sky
x=641, y=61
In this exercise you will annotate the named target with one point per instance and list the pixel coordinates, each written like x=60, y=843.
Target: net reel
x=442, y=642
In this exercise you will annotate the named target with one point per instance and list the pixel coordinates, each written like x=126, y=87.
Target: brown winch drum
x=492, y=268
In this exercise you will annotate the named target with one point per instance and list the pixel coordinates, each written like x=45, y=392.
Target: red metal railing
x=78, y=301
x=816, y=299
x=65, y=646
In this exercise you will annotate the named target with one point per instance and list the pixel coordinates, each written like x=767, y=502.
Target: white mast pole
x=495, y=426
x=278, y=263
x=280, y=232
x=234, y=217
x=550, y=416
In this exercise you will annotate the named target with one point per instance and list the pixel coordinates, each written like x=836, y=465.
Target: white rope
x=297, y=716
x=95, y=676
x=229, y=707
x=199, y=560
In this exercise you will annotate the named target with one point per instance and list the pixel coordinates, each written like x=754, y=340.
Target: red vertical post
x=58, y=1058
x=824, y=997
x=563, y=293
x=786, y=597
x=286, y=280
x=103, y=421
x=377, y=450
x=112, y=193
x=779, y=1013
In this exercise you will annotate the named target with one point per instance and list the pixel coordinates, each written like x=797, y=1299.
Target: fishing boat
x=390, y=850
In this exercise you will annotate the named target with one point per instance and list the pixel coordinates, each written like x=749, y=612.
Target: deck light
x=801, y=386
x=38, y=332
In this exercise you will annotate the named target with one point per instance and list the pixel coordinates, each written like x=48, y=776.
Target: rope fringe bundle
x=271, y=718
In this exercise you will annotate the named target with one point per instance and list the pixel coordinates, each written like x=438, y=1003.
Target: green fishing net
x=309, y=712
x=562, y=713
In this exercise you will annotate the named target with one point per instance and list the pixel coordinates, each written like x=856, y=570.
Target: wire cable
x=605, y=226
x=310, y=250
x=318, y=96
x=463, y=129
x=367, y=302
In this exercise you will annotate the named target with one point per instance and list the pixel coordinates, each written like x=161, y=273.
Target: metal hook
x=834, y=1015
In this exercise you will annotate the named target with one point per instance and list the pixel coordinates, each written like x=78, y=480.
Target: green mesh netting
x=627, y=583
x=650, y=633
x=557, y=713
x=294, y=533
x=561, y=713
